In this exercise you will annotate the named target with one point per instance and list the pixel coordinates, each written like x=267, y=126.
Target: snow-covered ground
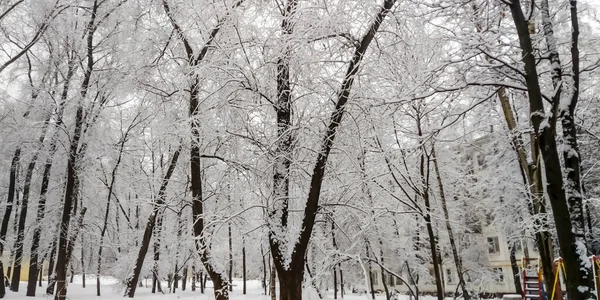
x=112, y=290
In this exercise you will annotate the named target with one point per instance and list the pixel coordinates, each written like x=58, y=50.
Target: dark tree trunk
x=455, y=255
x=82, y=264
x=341, y=281
x=243, y=267
x=272, y=279
x=335, y=247
x=194, y=59
x=290, y=276
x=424, y=171
x=40, y=276
x=160, y=200
x=571, y=241
x=184, y=279
x=193, y=278
x=202, y=279
x=371, y=284
x=9, y=205
x=61, y=290
x=230, y=259
x=51, y=271
x=75, y=155
x=16, y=278
x=335, y=283
x=515, y=270
x=383, y=271
x=264, y=263
x=107, y=210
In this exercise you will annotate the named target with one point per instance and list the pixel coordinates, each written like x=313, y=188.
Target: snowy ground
x=112, y=290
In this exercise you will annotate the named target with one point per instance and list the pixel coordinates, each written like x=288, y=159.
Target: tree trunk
x=341, y=281
x=61, y=287
x=16, y=278
x=515, y=270
x=193, y=278
x=383, y=272
x=202, y=282
x=160, y=201
x=424, y=167
x=335, y=283
x=51, y=271
x=82, y=264
x=272, y=287
x=290, y=275
x=243, y=267
x=107, y=210
x=264, y=269
x=9, y=205
x=455, y=255
x=230, y=259
x=335, y=247
x=194, y=59
x=371, y=285
x=572, y=243
x=184, y=278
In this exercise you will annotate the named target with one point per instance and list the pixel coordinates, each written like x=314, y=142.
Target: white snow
x=113, y=290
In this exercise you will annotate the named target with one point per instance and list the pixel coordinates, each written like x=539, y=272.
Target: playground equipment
x=533, y=287
x=533, y=281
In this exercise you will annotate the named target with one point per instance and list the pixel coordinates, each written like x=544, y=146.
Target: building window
x=493, y=245
x=518, y=246
x=374, y=278
x=391, y=280
x=449, y=278
x=498, y=275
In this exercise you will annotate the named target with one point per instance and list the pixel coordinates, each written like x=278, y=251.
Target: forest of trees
x=311, y=140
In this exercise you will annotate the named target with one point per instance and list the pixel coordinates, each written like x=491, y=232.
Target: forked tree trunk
x=132, y=282
x=290, y=275
x=571, y=241
x=16, y=278
x=194, y=59
x=111, y=186
x=41, y=207
x=73, y=164
x=424, y=172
